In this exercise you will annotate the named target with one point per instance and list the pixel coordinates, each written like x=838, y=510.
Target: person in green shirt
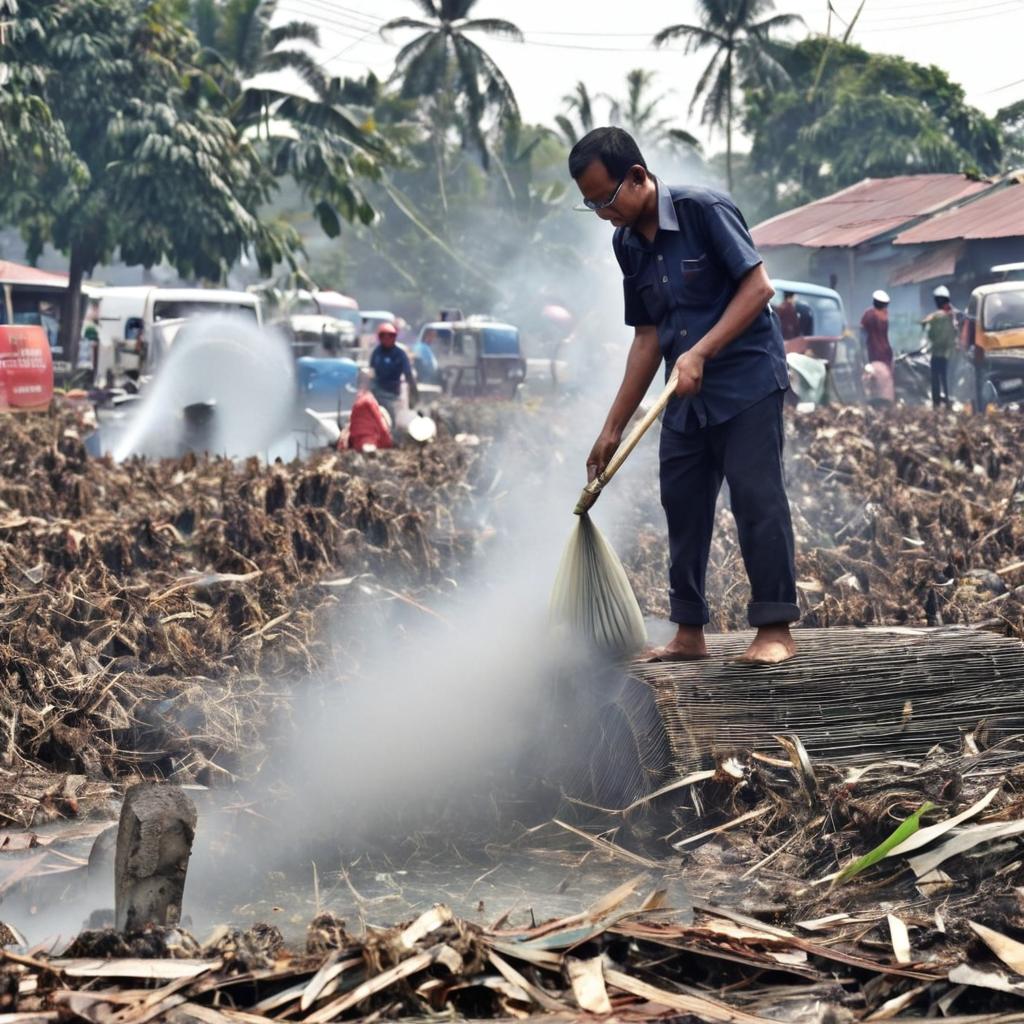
x=940, y=330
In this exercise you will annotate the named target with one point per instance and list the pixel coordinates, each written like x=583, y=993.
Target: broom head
x=592, y=596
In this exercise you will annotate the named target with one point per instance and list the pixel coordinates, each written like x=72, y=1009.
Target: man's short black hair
x=615, y=148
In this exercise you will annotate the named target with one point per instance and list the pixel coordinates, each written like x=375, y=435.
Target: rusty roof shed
x=867, y=210
x=999, y=213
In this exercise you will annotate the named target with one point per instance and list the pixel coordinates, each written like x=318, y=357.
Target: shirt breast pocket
x=700, y=281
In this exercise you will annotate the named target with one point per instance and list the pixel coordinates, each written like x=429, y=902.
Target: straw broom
x=591, y=595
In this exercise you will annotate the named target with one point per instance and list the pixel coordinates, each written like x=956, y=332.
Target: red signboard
x=26, y=369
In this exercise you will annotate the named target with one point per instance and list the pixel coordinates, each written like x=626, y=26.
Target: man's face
x=599, y=186
x=387, y=339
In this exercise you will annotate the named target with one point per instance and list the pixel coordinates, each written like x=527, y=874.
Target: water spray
x=226, y=386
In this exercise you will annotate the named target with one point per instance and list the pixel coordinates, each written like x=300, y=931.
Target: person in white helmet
x=874, y=328
x=940, y=328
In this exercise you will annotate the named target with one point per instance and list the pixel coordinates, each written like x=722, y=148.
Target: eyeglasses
x=589, y=206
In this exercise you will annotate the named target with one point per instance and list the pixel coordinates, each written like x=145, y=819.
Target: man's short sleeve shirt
x=389, y=365
x=682, y=283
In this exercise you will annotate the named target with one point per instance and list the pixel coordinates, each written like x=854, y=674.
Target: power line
x=932, y=5
x=930, y=18
x=932, y=23
x=1003, y=88
x=345, y=49
x=894, y=23
x=339, y=26
x=345, y=31
x=601, y=49
x=322, y=19
x=350, y=12
x=895, y=8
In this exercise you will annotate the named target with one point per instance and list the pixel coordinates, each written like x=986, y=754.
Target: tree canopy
x=456, y=75
x=738, y=35
x=151, y=128
x=160, y=171
x=848, y=114
x=242, y=34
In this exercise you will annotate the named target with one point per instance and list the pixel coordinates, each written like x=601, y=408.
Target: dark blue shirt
x=388, y=365
x=682, y=282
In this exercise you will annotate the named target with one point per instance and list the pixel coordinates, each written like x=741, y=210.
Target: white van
x=123, y=311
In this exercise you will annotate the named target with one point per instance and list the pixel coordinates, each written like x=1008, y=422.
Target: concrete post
x=154, y=842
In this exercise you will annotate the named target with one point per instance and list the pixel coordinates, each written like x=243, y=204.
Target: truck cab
x=130, y=317
x=476, y=356
x=820, y=334
x=321, y=324
x=993, y=332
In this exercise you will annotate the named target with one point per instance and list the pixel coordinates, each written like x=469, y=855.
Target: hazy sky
x=976, y=41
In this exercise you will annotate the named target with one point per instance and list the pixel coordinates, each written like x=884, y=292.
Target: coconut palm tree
x=638, y=112
x=579, y=104
x=316, y=140
x=443, y=62
x=737, y=32
x=240, y=34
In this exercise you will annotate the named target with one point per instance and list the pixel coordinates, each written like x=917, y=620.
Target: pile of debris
x=806, y=892
x=902, y=517
x=152, y=613
x=155, y=614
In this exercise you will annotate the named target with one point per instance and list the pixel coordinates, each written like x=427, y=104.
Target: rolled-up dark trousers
x=745, y=451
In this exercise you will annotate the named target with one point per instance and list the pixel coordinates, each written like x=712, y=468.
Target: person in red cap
x=390, y=364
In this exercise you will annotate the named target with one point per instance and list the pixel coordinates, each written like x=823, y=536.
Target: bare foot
x=772, y=646
x=687, y=645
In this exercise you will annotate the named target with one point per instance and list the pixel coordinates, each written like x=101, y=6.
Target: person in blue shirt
x=390, y=364
x=697, y=297
x=424, y=360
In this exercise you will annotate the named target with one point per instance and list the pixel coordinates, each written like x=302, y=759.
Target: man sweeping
x=696, y=295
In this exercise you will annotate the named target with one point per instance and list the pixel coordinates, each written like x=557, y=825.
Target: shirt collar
x=668, y=220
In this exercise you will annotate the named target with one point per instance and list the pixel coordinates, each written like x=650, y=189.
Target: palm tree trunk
x=728, y=126
x=439, y=154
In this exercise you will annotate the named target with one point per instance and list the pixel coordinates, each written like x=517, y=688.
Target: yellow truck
x=992, y=337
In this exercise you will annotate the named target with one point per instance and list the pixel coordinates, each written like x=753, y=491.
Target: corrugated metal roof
x=929, y=265
x=863, y=211
x=1000, y=214
x=18, y=273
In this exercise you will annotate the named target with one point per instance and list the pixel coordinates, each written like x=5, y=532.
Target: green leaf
x=904, y=832
x=328, y=218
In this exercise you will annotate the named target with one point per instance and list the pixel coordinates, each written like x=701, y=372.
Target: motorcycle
x=912, y=377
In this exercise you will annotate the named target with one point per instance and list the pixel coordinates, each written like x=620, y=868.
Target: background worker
x=806, y=315
x=879, y=386
x=424, y=361
x=874, y=330
x=390, y=364
x=696, y=295
x=789, y=317
x=941, y=330
x=368, y=427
